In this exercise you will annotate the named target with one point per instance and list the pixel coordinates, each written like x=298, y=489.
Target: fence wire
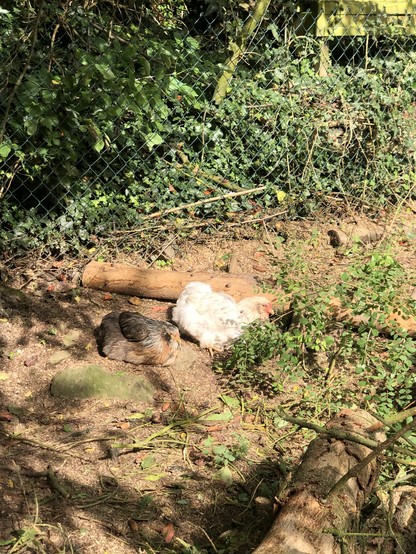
x=114, y=114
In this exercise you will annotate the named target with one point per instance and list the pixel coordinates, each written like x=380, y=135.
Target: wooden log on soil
x=393, y=320
x=304, y=521
x=349, y=234
x=163, y=284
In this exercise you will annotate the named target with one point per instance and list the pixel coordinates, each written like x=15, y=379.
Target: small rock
x=135, y=301
x=133, y=525
x=29, y=362
x=58, y=357
x=76, y=278
x=262, y=501
x=260, y=268
x=90, y=381
x=71, y=338
x=186, y=358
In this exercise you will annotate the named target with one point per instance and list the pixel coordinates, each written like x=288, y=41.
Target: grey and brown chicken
x=137, y=339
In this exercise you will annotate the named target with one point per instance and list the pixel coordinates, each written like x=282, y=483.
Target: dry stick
x=396, y=418
x=196, y=170
x=256, y=219
x=205, y=201
x=337, y=433
x=55, y=31
x=55, y=484
x=161, y=251
x=42, y=445
x=354, y=471
x=5, y=188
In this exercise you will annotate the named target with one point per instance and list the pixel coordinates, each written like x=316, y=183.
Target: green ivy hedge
x=106, y=121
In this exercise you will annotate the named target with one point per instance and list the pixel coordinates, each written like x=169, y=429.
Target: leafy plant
x=378, y=350
x=77, y=165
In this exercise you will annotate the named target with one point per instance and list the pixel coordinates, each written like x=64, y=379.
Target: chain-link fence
x=117, y=113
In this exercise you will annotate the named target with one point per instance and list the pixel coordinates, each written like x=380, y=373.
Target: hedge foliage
x=107, y=116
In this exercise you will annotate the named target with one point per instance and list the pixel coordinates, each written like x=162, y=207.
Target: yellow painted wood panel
x=355, y=7
x=347, y=18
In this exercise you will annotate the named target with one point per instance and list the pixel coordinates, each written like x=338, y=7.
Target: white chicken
x=214, y=319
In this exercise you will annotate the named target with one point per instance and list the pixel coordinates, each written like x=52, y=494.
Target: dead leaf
x=215, y=428
x=107, y=296
x=135, y=301
x=133, y=525
x=259, y=268
x=6, y=416
x=168, y=532
x=123, y=425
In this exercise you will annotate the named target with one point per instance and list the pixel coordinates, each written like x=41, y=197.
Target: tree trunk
x=310, y=520
x=238, y=48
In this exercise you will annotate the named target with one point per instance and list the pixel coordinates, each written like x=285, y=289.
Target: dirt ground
x=67, y=488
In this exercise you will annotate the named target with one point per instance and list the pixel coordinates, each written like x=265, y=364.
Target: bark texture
x=162, y=284
x=303, y=524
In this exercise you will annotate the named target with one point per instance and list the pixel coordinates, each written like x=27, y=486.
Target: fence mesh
x=115, y=113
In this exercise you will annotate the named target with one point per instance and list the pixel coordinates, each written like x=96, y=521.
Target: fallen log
x=350, y=234
x=163, y=284
x=392, y=321
x=311, y=519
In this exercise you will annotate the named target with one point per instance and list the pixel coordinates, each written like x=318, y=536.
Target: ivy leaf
x=99, y=145
x=105, y=71
x=230, y=401
x=148, y=461
x=224, y=474
x=281, y=195
x=4, y=150
x=153, y=139
x=225, y=416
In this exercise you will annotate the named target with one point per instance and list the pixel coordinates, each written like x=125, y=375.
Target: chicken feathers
x=137, y=339
x=253, y=308
x=209, y=317
x=214, y=319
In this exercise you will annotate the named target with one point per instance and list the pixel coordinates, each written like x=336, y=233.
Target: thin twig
x=205, y=201
x=55, y=483
x=337, y=433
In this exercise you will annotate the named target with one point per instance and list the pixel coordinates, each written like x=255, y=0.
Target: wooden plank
x=364, y=18
x=375, y=7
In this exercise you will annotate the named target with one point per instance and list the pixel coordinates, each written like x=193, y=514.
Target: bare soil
x=67, y=484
